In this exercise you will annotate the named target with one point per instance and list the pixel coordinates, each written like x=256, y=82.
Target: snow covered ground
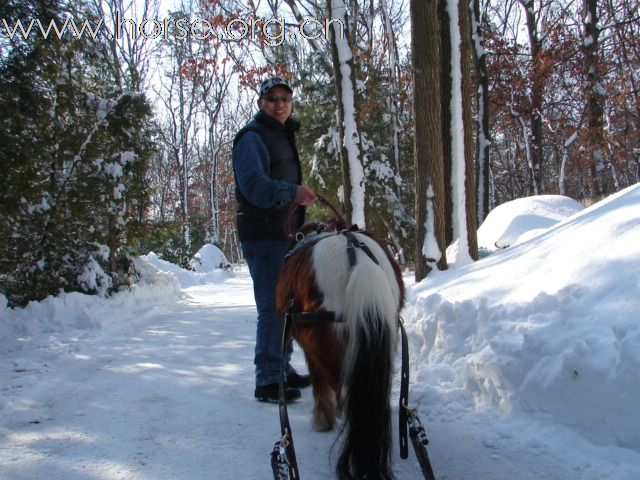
x=524, y=365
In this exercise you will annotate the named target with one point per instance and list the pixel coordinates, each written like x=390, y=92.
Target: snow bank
x=516, y=221
x=548, y=327
x=187, y=278
x=209, y=258
x=69, y=314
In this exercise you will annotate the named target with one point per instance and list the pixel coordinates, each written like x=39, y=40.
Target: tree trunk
x=428, y=149
x=538, y=80
x=484, y=139
x=351, y=155
x=458, y=132
x=595, y=101
x=467, y=118
x=445, y=112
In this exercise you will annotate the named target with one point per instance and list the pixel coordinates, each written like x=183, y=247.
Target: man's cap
x=273, y=82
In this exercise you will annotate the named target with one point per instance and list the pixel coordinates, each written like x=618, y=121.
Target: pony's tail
x=367, y=414
x=367, y=374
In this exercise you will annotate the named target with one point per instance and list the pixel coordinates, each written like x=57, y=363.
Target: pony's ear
x=340, y=224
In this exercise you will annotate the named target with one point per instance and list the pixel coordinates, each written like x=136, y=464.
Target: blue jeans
x=265, y=259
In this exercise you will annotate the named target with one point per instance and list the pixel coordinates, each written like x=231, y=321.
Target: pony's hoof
x=322, y=424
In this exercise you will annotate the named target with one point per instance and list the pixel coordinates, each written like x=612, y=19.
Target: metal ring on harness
x=279, y=460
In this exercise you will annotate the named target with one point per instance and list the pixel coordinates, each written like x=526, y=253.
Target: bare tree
x=131, y=48
x=179, y=128
x=595, y=99
x=538, y=83
x=394, y=73
x=215, y=78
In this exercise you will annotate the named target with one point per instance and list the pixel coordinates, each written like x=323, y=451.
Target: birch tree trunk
x=459, y=177
x=565, y=159
x=184, y=129
x=595, y=100
x=351, y=154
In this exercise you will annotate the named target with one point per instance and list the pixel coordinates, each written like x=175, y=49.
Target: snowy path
x=171, y=398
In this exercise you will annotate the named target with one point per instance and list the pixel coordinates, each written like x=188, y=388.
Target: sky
x=523, y=364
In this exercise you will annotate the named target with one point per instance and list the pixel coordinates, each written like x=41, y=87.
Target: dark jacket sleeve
x=251, y=167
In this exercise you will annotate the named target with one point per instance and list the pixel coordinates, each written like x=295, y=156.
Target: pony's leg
x=324, y=408
x=323, y=354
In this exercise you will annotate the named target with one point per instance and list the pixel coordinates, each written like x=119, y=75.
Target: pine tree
x=76, y=152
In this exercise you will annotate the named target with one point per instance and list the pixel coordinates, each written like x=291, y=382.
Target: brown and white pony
x=350, y=360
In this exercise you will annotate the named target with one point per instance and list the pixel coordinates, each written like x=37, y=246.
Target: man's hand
x=304, y=196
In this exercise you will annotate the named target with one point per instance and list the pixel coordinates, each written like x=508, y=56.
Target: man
x=268, y=178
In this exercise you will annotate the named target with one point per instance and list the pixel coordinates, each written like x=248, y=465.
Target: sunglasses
x=275, y=98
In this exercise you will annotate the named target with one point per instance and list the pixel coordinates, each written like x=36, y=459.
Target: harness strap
x=404, y=393
x=285, y=426
x=284, y=454
x=409, y=418
x=352, y=244
x=314, y=318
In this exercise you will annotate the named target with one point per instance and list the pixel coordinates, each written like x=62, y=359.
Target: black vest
x=256, y=223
